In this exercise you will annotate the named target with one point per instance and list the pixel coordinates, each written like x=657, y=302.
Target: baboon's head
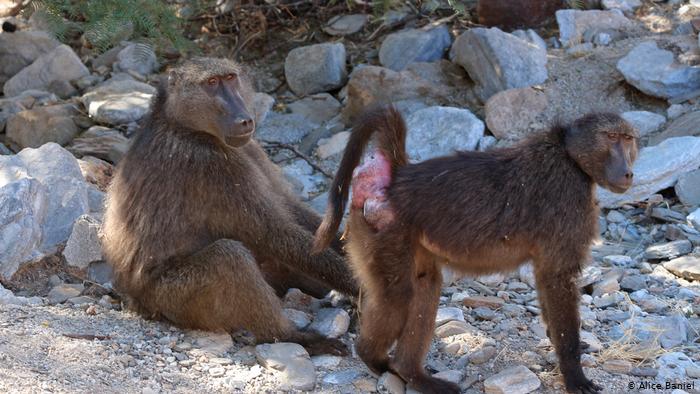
x=605, y=147
x=212, y=96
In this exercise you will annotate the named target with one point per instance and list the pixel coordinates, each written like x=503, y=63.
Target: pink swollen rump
x=369, y=184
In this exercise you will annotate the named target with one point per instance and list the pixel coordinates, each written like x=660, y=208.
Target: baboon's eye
x=627, y=137
x=230, y=77
x=211, y=81
x=613, y=136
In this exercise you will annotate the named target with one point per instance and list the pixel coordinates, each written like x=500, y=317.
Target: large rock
x=513, y=380
x=574, y=24
x=22, y=48
x=498, y=61
x=284, y=128
x=343, y=25
x=119, y=101
x=667, y=331
x=315, y=68
x=291, y=361
x=61, y=64
x=510, y=14
x=137, y=57
x=510, y=113
x=370, y=85
x=83, y=246
x=101, y=142
x=686, y=124
x=414, y=45
x=35, y=127
x=42, y=193
x=655, y=72
x=318, y=108
x=687, y=267
x=644, y=121
x=688, y=188
x=657, y=168
x=439, y=131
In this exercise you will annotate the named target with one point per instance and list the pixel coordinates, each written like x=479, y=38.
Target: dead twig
x=90, y=337
x=292, y=148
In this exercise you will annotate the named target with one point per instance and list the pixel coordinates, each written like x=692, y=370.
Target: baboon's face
x=211, y=95
x=605, y=146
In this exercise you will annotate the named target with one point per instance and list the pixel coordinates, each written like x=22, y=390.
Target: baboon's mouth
x=239, y=140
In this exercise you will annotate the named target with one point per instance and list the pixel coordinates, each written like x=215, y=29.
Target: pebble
x=513, y=380
x=296, y=371
x=485, y=301
x=452, y=328
x=482, y=355
x=618, y=366
x=331, y=322
x=63, y=292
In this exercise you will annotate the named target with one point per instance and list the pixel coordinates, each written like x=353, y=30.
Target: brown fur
x=483, y=212
x=205, y=234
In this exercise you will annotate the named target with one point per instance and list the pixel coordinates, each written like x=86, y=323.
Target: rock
x=448, y=314
x=510, y=113
x=42, y=192
x=513, y=380
x=608, y=285
x=684, y=125
x=335, y=145
x=136, y=57
x=487, y=301
x=451, y=328
x=96, y=171
x=8, y=108
x=299, y=318
x=688, y=188
x=574, y=23
x=608, y=300
x=483, y=355
x=389, y=383
x=100, y=272
x=342, y=377
x=343, y=25
x=622, y=5
x=668, y=250
x=648, y=302
x=437, y=131
x=510, y=14
x=61, y=64
x=326, y=361
x=667, y=215
x=331, y=322
x=687, y=267
x=118, y=102
x=645, y=122
x=498, y=61
x=633, y=282
x=580, y=50
x=315, y=68
x=530, y=36
x=284, y=128
x=414, y=45
x=296, y=371
x=656, y=168
x=694, y=219
x=673, y=367
x=20, y=49
x=63, y=292
x=83, y=246
x=211, y=344
x=262, y=104
x=669, y=331
x=371, y=85
x=101, y=142
x=526, y=274
x=35, y=127
x=317, y=108
x=8, y=298
x=301, y=175
x=655, y=72
x=618, y=366
x=618, y=260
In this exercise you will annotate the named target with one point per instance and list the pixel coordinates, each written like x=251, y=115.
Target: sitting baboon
x=200, y=228
x=483, y=212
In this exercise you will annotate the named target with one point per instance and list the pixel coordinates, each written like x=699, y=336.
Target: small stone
x=414, y=45
x=342, y=377
x=644, y=372
x=326, y=361
x=212, y=344
x=21, y=48
x=450, y=375
x=448, y=314
x=622, y=5
x=482, y=355
x=667, y=215
x=296, y=371
x=618, y=260
x=573, y=24
x=694, y=219
x=618, y=366
x=331, y=322
x=648, y=302
x=668, y=250
x=217, y=372
x=484, y=313
x=633, y=282
x=605, y=286
x=315, y=68
x=452, y=328
x=83, y=246
x=514, y=380
x=389, y=383
x=608, y=300
x=687, y=267
x=668, y=331
x=580, y=50
x=63, y=292
x=486, y=301
x=299, y=318
x=343, y=25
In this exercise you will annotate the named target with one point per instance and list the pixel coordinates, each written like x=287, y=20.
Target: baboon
x=479, y=212
x=200, y=227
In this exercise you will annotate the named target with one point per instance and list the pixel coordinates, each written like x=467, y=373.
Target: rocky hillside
x=66, y=118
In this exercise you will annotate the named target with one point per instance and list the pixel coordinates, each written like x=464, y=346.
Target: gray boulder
x=343, y=25
x=683, y=125
x=644, y=121
x=438, y=131
x=101, y=142
x=510, y=113
x=137, y=57
x=688, y=188
x=83, y=246
x=656, y=168
x=42, y=193
x=318, y=108
x=61, y=64
x=119, y=101
x=284, y=128
x=22, y=48
x=655, y=72
x=35, y=127
x=574, y=24
x=315, y=68
x=498, y=61
x=414, y=45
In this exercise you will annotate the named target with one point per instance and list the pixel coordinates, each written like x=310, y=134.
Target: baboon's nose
x=629, y=175
x=244, y=125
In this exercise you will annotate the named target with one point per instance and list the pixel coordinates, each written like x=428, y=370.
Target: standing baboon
x=483, y=212
x=201, y=229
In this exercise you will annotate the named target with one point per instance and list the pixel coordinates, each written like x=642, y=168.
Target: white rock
x=448, y=314
x=514, y=380
x=61, y=64
x=673, y=367
x=574, y=23
x=119, y=101
x=438, y=131
x=688, y=188
x=656, y=168
x=644, y=121
x=694, y=219
x=291, y=361
x=83, y=246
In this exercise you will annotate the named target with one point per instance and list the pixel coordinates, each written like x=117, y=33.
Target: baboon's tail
x=390, y=128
